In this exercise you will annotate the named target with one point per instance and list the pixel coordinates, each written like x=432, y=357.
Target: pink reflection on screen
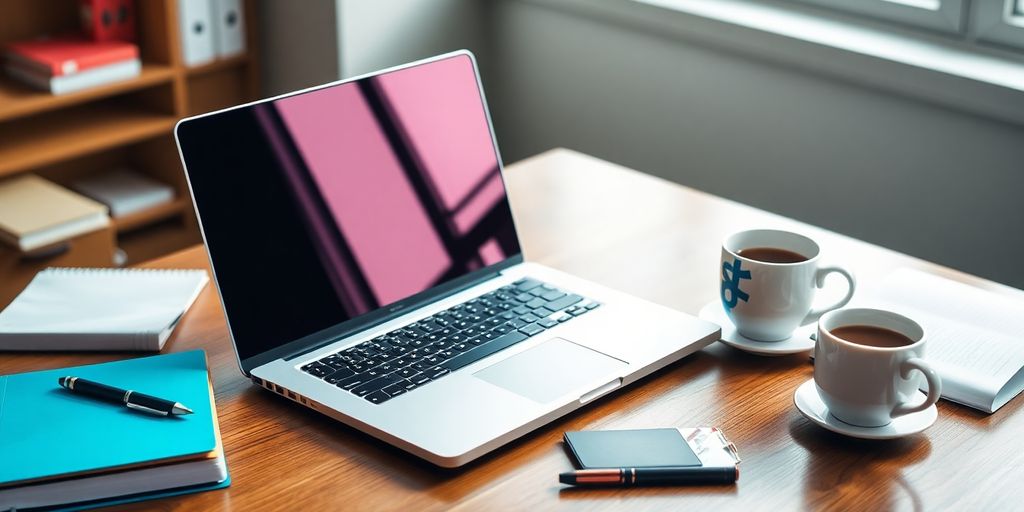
x=366, y=190
x=440, y=111
x=491, y=252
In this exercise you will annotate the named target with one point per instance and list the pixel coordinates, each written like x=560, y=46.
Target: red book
x=68, y=55
x=108, y=20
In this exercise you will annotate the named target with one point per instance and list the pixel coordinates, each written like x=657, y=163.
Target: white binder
x=228, y=27
x=195, y=19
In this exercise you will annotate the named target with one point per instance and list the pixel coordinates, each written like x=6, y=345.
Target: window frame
x=1000, y=23
x=947, y=16
x=951, y=70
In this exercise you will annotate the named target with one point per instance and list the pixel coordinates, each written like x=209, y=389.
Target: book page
x=975, y=338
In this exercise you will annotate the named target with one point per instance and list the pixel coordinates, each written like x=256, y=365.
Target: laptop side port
x=291, y=395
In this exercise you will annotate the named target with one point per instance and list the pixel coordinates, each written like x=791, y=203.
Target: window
x=998, y=21
x=943, y=15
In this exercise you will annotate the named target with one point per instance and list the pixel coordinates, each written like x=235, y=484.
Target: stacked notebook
x=125, y=191
x=99, y=309
x=35, y=213
x=71, y=63
x=63, y=449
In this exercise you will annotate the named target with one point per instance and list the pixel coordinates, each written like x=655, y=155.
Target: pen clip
x=143, y=408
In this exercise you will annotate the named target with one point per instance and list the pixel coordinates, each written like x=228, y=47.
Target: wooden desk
x=659, y=241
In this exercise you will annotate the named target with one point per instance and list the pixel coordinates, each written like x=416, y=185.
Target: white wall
x=939, y=184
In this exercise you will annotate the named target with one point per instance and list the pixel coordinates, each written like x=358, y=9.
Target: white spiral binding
x=107, y=271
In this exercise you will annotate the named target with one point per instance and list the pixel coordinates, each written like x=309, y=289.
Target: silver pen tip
x=180, y=409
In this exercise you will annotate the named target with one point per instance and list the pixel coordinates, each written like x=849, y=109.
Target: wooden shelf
x=219, y=64
x=93, y=249
x=157, y=240
x=65, y=138
x=17, y=99
x=41, y=140
x=150, y=216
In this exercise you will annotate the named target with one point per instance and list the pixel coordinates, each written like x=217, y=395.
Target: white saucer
x=810, y=405
x=800, y=341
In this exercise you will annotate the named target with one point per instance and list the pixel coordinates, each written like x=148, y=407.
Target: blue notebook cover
x=46, y=431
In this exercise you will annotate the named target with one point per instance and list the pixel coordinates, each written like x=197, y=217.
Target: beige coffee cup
x=867, y=385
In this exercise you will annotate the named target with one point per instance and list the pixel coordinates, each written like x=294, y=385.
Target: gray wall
x=908, y=175
x=915, y=177
x=376, y=34
x=298, y=44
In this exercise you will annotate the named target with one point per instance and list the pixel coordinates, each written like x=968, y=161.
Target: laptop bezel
x=385, y=313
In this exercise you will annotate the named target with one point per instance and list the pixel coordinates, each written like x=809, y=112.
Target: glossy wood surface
x=659, y=241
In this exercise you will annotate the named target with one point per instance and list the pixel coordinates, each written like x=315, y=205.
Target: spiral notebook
x=99, y=309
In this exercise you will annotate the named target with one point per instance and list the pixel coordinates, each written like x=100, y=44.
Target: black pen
x=625, y=477
x=131, y=399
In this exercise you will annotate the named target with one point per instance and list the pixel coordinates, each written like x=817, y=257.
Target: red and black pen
x=624, y=477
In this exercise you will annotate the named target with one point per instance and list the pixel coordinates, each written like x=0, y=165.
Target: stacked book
x=125, y=191
x=36, y=213
x=66, y=450
x=71, y=63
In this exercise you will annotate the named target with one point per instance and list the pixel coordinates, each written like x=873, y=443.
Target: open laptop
x=369, y=268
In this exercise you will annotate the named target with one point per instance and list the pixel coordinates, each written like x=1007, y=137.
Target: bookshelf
x=128, y=123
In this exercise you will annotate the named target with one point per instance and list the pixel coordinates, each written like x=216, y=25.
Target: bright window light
x=931, y=5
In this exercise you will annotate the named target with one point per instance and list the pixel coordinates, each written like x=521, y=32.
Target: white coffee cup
x=867, y=385
x=768, y=301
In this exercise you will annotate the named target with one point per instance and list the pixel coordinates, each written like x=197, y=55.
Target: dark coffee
x=871, y=336
x=771, y=255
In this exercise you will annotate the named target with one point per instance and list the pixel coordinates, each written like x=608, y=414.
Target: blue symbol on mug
x=731, y=275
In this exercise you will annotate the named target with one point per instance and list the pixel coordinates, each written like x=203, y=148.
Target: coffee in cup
x=868, y=364
x=871, y=336
x=769, y=280
x=771, y=255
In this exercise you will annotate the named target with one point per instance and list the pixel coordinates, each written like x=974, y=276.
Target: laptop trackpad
x=552, y=369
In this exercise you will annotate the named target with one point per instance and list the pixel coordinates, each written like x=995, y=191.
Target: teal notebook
x=48, y=432
x=146, y=496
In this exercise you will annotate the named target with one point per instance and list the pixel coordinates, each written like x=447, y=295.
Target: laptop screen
x=329, y=204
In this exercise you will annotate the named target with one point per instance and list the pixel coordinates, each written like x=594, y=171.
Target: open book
x=975, y=338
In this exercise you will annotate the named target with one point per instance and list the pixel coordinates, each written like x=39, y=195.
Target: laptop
x=369, y=267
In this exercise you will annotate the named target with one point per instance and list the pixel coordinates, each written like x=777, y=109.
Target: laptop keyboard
x=424, y=351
